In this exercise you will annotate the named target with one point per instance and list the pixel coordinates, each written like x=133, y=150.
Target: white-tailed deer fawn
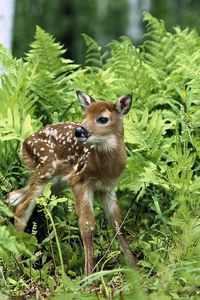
x=89, y=156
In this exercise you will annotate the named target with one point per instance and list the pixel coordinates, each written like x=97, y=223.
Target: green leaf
x=27, y=127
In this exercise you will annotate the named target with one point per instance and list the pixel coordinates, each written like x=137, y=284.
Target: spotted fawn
x=89, y=157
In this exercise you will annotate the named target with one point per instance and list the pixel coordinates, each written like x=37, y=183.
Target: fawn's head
x=102, y=124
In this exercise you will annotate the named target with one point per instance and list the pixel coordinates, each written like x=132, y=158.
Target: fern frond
x=7, y=61
x=53, y=82
x=155, y=27
x=94, y=56
x=148, y=133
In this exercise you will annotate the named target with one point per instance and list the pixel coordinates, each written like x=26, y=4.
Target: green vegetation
x=163, y=146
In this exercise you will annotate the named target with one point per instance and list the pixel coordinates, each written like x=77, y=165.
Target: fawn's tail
x=15, y=197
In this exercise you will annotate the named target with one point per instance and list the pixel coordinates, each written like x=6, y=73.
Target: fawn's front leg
x=84, y=206
x=113, y=213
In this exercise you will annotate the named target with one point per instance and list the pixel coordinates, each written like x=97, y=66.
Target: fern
x=17, y=118
x=147, y=133
x=149, y=147
x=94, y=56
x=54, y=80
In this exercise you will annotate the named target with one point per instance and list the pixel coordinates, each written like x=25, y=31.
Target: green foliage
x=54, y=78
x=163, y=149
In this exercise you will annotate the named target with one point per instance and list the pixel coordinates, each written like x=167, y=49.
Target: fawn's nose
x=81, y=132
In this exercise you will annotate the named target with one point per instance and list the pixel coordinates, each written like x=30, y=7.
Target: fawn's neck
x=109, y=160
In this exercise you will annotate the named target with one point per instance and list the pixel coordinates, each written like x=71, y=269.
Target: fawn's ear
x=123, y=104
x=85, y=99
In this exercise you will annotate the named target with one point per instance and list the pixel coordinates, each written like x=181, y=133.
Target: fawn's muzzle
x=81, y=133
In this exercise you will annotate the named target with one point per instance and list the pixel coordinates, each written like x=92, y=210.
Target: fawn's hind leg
x=113, y=213
x=34, y=189
x=25, y=207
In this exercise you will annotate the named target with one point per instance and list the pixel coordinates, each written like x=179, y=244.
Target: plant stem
x=57, y=242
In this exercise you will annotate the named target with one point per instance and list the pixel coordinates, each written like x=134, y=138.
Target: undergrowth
x=163, y=147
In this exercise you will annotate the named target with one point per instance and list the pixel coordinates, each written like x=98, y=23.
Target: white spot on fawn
x=54, y=164
x=48, y=175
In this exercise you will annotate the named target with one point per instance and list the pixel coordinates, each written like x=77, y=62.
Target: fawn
x=89, y=156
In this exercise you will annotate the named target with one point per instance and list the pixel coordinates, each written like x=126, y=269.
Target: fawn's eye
x=102, y=120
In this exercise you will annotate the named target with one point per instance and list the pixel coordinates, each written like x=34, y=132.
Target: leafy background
x=163, y=146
